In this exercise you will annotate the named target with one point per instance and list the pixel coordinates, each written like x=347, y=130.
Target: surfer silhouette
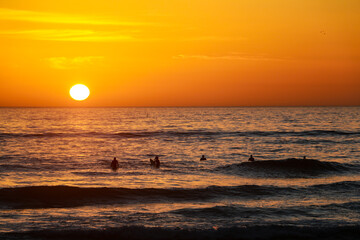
x=157, y=162
x=114, y=164
x=203, y=158
x=251, y=158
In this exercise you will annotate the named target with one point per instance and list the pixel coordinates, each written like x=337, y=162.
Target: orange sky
x=180, y=52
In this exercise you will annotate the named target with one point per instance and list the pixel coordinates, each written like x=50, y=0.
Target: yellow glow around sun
x=79, y=92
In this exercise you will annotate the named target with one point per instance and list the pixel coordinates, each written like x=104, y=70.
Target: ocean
x=56, y=181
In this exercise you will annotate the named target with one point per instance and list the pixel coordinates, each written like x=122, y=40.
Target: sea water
x=56, y=181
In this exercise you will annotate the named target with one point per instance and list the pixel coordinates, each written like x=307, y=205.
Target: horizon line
x=240, y=106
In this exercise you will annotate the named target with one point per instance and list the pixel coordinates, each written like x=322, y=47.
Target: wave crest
x=142, y=134
x=67, y=196
x=292, y=167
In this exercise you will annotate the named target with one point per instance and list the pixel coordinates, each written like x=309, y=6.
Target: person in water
x=157, y=161
x=203, y=158
x=114, y=164
x=251, y=158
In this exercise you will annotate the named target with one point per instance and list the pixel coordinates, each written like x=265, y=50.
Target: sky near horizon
x=180, y=52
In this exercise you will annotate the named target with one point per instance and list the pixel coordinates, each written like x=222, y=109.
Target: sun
x=79, y=92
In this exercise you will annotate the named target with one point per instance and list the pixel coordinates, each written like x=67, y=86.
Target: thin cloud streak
x=214, y=38
x=77, y=35
x=235, y=56
x=45, y=17
x=73, y=63
x=87, y=35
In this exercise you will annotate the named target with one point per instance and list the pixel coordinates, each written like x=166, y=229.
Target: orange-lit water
x=55, y=173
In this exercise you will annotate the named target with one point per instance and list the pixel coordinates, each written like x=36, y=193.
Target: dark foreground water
x=56, y=181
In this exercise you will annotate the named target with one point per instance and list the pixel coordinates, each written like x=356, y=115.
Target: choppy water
x=56, y=181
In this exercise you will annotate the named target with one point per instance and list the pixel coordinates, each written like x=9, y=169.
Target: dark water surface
x=56, y=181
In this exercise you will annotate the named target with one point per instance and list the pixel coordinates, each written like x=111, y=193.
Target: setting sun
x=79, y=92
